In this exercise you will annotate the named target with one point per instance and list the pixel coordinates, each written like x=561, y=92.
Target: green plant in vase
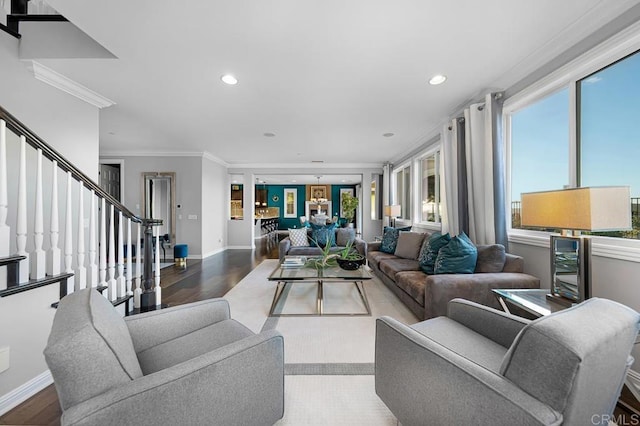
x=326, y=258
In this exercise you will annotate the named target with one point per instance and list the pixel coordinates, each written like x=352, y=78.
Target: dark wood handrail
x=20, y=129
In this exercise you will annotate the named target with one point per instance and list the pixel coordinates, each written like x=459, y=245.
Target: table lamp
x=606, y=208
x=393, y=212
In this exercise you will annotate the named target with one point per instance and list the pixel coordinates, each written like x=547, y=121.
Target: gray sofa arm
x=251, y=367
x=361, y=246
x=374, y=245
x=283, y=248
x=152, y=328
x=496, y=325
x=423, y=382
x=440, y=289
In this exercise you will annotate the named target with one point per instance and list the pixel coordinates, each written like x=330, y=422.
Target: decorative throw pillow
x=298, y=237
x=321, y=235
x=459, y=256
x=390, y=239
x=409, y=244
x=344, y=236
x=491, y=258
x=430, y=249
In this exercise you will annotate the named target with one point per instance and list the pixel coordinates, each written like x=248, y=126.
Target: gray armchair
x=189, y=364
x=479, y=366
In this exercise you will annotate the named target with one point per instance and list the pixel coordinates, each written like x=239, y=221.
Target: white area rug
x=328, y=360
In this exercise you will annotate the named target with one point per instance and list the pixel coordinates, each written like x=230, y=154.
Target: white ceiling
x=327, y=77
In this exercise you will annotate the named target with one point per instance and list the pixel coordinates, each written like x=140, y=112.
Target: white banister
x=111, y=264
x=138, y=277
x=68, y=238
x=93, y=267
x=81, y=272
x=103, y=246
x=121, y=281
x=21, y=220
x=53, y=259
x=38, y=258
x=157, y=288
x=129, y=256
x=5, y=231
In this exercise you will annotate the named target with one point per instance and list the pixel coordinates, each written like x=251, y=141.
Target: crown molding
x=205, y=154
x=306, y=165
x=215, y=159
x=59, y=81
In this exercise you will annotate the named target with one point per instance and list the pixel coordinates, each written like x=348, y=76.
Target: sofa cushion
x=344, y=236
x=408, y=246
x=89, y=349
x=394, y=265
x=376, y=256
x=459, y=256
x=322, y=235
x=430, y=249
x=298, y=237
x=413, y=283
x=491, y=258
x=390, y=238
x=192, y=345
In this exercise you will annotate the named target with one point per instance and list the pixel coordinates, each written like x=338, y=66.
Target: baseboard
x=216, y=251
x=240, y=247
x=24, y=392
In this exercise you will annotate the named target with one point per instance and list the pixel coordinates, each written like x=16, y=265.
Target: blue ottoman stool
x=180, y=253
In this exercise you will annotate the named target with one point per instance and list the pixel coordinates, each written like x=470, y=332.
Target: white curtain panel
x=479, y=158
x=449, y=175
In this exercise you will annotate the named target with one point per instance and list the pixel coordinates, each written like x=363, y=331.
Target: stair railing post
x=21, y=219
x=121, y=281
x=54, y=258
x=5, y=231
x=111, y=263
x=68, y=238
x=81, y=274
x=148, y=296
x=93, y=267
x=138, y=277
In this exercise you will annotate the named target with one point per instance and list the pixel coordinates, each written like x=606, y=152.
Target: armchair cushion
x=459, y=256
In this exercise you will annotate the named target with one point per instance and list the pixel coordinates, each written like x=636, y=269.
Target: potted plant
x=349, y=259
x=326, y=258
x=349, y=204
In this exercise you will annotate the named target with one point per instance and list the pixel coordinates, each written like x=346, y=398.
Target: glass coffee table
x=287, y=276
x=534, y=301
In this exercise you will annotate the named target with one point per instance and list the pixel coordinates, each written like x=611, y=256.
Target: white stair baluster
x=93, y=267
x=138, y=277
x=38, y=257
x=129, y=256
x=121, y=281
x=21, y=220
x=53, y=259
x=81, y=272
x=103, y=247
x=68, y=238
x=157, y=288
x=5, y=231
x=111, y=264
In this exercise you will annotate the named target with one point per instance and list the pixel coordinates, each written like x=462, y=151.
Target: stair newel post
x=138, y=278
x=121, y=281
x=93, y=268
x=111, y=264
x=38, y=259
x=81, y=274
x=21, y=220
x=103, y=245
x=68, y=238
x=157, y=288
x=5, y=231
x=53, y=259
x=148, y=297
x=129, y=255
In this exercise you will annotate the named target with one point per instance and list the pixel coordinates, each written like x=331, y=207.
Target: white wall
x=215, y=207
x=188, y=192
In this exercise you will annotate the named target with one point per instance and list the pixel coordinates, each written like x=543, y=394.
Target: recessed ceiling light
x=437, y=79
x=229, y=79
x=387, y=135
x=269, y=135
x=343, y=181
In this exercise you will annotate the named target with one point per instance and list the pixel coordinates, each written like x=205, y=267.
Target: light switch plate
x=193, y=217
x=4, y=358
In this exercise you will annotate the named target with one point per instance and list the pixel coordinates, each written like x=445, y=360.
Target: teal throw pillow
x=430, y=250
x=390, y=239
x=321, y=235
x=459, y=256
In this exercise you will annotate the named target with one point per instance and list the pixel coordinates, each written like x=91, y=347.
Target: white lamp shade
x=393, y=211
x=606, y=208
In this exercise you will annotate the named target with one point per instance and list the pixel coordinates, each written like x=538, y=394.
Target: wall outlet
x=179, y=216
x=193, y=217
x=4, y=358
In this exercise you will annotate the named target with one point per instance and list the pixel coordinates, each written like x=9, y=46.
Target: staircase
x=35, y=181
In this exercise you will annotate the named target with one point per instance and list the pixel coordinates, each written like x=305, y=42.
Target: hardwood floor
x=200, y=280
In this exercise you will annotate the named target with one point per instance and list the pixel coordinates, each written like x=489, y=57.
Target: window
x=376, y=197
x=402, y=194
x=608, y=135
x=429, y=167
x=539, y=148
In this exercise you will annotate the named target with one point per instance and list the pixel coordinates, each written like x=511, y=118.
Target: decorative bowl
x=350, y=264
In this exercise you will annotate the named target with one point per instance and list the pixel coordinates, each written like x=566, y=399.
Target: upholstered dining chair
x=303, y=220
x=481, y=366
x=188, y=364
